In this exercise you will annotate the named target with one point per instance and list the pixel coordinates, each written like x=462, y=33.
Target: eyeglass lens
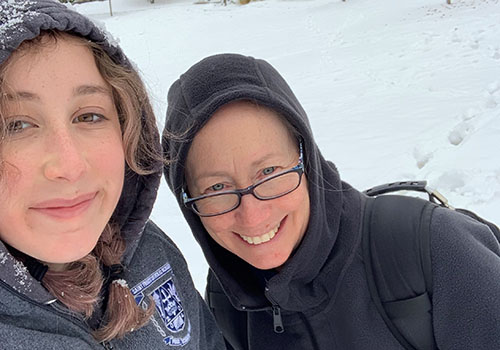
x=269, y=189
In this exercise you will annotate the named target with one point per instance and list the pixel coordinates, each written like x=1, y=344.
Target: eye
x=89, y=118
x=17, y=126
x=216, y=187
x=268, y=170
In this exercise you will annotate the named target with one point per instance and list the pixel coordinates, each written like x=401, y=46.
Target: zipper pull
x=107, y=345
x=278, y=322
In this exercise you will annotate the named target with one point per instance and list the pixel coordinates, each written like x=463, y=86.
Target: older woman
x=81, y=266
x=282, y=233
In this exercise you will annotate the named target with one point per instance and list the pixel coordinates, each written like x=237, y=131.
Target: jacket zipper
x=277, y=320
x=276, y=310
x=107, y=345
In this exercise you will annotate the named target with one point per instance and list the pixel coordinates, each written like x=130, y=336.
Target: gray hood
x=192, y=99
x=22, y=20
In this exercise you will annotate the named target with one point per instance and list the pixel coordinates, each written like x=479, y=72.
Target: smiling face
x=241, y=144
x=62, y=156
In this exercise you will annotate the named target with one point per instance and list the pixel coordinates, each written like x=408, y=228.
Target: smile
x=65, y=208
x=261, y=239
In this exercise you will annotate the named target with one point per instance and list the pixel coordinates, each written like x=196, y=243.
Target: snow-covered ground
x=395, y=90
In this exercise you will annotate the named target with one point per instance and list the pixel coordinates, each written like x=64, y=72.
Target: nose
x=252, y=211
x=65, y=158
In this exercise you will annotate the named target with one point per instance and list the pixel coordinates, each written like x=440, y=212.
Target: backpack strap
x=396, y=252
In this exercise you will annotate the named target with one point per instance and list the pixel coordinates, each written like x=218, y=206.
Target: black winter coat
x=320, y=295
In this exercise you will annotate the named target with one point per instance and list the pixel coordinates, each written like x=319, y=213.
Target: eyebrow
x=81, y=90
x=90, y=90
x=264, y=159
x=254, y=164
x=21, y=95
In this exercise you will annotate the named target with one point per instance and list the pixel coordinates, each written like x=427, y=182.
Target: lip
x=62, y=208
x=281, y=225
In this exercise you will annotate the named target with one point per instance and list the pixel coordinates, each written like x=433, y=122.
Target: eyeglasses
x=271, y=187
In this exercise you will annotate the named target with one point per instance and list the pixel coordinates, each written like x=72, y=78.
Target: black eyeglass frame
x=299, y=169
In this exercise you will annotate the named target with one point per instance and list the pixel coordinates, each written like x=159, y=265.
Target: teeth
x=261, y=239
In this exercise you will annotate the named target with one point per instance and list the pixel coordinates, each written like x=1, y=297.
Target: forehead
x=238, y=137
x=243, y=124
x=50, y=61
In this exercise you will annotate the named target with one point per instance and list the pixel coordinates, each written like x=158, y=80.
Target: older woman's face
x=240, y=145
x=62, y=158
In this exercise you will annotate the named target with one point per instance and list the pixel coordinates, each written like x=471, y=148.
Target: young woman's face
x=240, y=145
x=62, y=158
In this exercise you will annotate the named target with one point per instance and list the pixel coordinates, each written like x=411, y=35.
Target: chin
x=63, y=260
x=265, y=264
x=66, y=255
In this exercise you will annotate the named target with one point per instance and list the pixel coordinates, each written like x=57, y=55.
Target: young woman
x=282, y=233
x=81, y=266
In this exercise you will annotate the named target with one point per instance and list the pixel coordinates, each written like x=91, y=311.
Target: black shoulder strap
x=396, y=251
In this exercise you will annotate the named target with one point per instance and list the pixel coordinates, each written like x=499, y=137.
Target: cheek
x=302, y=200
x=14, y=191
x=109, y=159
x=297, y=207
x=19, y=161
x=218, y=227
x=114, y=183
x=107, y=171
x=297, y=201
x=17, y=180
x=212, y=225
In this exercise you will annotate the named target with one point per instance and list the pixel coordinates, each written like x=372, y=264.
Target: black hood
x=192, y=100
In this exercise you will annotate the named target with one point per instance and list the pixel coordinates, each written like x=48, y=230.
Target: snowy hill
x=395, y=90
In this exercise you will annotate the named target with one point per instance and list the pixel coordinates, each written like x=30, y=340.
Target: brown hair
x=80, y=284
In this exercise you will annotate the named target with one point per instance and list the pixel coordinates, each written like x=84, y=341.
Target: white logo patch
x=173, y=325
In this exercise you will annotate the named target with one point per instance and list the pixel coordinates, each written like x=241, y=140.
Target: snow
x=121, y=282
x=22, y=277
x=12, y=13
x=395, y=90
